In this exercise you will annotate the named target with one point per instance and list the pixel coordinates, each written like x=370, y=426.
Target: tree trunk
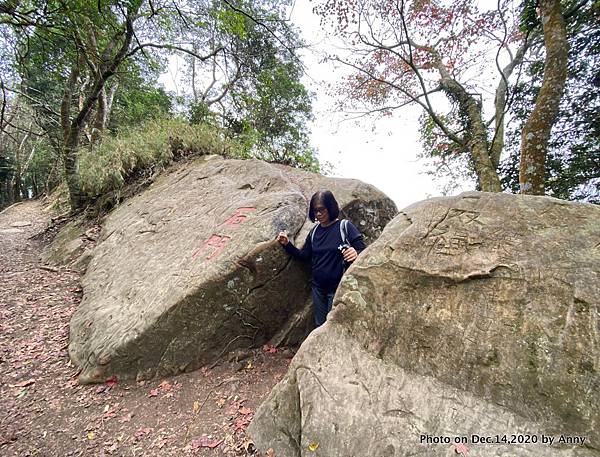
x=100, y=121
x=487, y=176
x=77, y=125
x=4, y=197
x=500, y=104
x=10, y=194
x=536, y=131
x=48, y=187
x=76, y=196
x=103, y=110
x=35, y=190
x=16, y=185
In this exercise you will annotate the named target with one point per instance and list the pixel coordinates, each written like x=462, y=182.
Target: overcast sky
x=379, y=152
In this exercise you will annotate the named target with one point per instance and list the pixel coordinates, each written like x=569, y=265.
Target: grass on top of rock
x=140, y=152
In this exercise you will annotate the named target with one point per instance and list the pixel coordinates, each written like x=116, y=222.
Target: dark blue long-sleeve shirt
x=326, y=259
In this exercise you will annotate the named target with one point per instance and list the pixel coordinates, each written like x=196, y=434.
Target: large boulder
x=190, y=268
x=471, y=316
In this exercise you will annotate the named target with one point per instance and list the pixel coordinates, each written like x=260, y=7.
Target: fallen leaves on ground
x=165, y=386
x=205, y=441
x=23, y=383
x=141, y=433
x=196, y=407
x=269, y=349
x=47, y=412
x=244, y=411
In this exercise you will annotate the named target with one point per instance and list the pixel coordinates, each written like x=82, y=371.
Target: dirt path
x=43, y=412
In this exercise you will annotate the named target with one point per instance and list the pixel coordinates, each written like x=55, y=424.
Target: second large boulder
x=472, y=318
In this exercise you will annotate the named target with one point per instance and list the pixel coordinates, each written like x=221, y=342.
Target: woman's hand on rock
x=283, y=238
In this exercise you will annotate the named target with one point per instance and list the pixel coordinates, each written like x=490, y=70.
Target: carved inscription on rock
x=451, y=235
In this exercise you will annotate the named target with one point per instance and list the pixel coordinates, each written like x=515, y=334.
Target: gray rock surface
x=190, y=269
x=11, y=231
x=68, y=247
x=21, y=224
x=470, y=315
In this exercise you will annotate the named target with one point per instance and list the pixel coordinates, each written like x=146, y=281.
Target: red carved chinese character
x=238, y=218
x=215, y=241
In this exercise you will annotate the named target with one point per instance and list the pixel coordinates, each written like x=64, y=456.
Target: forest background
x=508, y=96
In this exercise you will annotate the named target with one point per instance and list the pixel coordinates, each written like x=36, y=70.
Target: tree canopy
x=463, y=66
x=572, y=170
x=85, y=70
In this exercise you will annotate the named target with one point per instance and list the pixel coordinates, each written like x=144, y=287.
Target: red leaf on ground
x=243, y=410
x=126, y=418
x=141, y=433
x=241, y=424
x=269, y=348
x=461, y=449
x=205, y=441
x=111, y=382
x=153, y=393
x=24, y=383
x=214, y=443
x=165, y=386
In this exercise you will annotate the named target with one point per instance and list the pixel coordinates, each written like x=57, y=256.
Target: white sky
x=381, y=152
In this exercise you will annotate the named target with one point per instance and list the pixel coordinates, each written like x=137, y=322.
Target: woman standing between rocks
x=325, y=249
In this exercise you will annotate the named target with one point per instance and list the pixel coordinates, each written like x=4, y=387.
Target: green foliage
x=270, y=119
x=573, y=162
x=232, y=23
x=6, y=169
x=253, y=87
x=529, y=17
x=253, y=79
x=274, y=126
x=138, y=100
x=200, y=113
x=43, y=173
x=445, y=159
x=106, y=168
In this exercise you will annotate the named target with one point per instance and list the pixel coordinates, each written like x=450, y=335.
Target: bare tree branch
x=3, y=110
x=173, y=47
x=35, y=101
x=267, y=28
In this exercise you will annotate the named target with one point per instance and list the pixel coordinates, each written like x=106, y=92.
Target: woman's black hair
x=328, y=200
